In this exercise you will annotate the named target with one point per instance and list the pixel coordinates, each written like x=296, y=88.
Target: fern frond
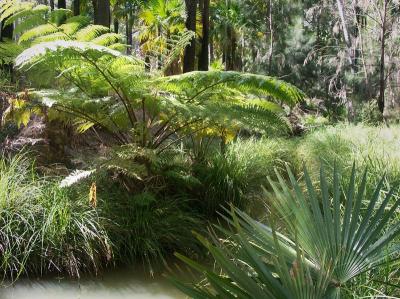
x=257, y=85
x=37, y=11
x=63, y=51
x=50, y=37
x=177, y=44
x=13, y=7
x=118, y=47
x=38, y=31
x=107, y=39
x=29, y=23
x=91, y=32
x=8, y=51
x=73, y=24
x=59, y=15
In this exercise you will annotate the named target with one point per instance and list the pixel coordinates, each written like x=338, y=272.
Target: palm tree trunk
x=102, y=12
x=116, y=25
x=190, y=50
x=128, y=32
x=204, y=53
x=62, y=4
x=77, y=7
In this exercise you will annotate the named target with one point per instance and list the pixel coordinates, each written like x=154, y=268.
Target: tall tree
x=76, y=7
x=382, y=77
x=62, y=4
x=205, y=40
x=52, y=5
x=102, y=12
x=190, y=50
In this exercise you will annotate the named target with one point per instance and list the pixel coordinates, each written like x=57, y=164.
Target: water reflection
x=122, y=284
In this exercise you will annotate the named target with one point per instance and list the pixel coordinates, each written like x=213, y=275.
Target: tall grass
x=44, y=228
x=147, y=228
x=237, y=175
x=375, y=148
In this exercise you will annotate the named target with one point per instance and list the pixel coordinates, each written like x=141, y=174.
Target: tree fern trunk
x=190, y=50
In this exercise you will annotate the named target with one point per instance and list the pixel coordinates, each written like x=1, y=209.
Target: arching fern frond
x=73, y=24
x=38, y=31
x=9, y=8
x=39, y=10
x=58, y=16
x=35, y=22
x=62, y=51
x=8, y=51
x=195, y=84
x=107, y=39
x=91, y=32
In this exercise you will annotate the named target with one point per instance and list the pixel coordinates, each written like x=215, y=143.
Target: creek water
x=117, y=284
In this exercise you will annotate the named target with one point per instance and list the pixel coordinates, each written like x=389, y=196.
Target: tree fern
x=202, y=103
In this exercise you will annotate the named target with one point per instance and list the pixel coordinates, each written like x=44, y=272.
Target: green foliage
x=44, y=228
x=237, y=175
x=372, y=148
x=148, y=227
x=369, y=114
x=330, y=240
x=113, y=91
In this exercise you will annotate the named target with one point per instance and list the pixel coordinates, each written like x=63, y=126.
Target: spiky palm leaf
x=328, y=244
x=351, y=231
x=253, y=262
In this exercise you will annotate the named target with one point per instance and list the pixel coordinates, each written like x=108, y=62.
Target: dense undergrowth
x=46, y=228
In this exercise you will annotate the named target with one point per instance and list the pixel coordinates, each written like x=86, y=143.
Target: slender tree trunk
x=346, y=35
x=230, y=55
x=128, y=32
x=52, y=5
x=102, y=12
x=270, y=34
x=62, y=4
x=382, y=79
x=116, y=25
x=205, y=41
x=77, y=7
x=190, y=50
x=211, y=40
